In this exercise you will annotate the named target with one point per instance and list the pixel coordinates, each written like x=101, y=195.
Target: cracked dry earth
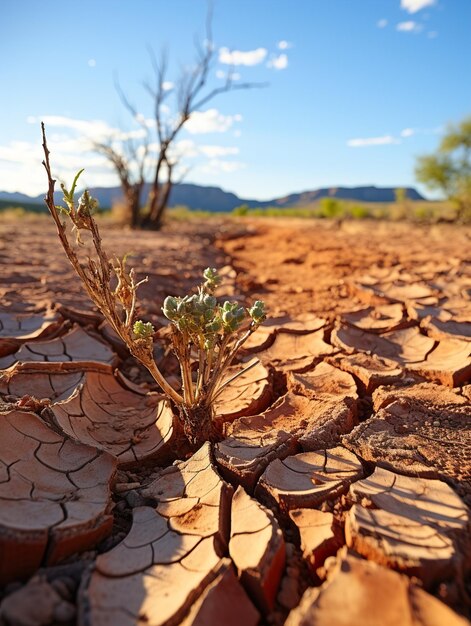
x=340, y=493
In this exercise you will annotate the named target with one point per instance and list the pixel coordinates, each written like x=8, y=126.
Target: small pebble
x=134, y=499
x=121, y=506
x=71, y=584
x=293, y=572
x=436, y=423
x=290, y=550
x=121, y=487
x=122, y=477
x=62, y=588
x=64, y=612
x=288, y=596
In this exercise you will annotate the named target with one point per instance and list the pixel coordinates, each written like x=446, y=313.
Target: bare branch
x=190, y=94
x=124, y=99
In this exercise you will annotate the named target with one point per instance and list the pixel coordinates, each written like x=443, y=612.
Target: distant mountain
x=194, y=197
x=215, y=199
x=360, y=194
x=18, y=197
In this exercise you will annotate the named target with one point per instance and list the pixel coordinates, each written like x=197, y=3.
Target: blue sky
x=357, y=88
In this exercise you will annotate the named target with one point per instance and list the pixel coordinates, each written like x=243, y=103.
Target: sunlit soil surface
x=341, y=491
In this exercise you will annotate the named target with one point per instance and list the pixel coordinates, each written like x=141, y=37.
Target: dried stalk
x=200, y=325
x=118, y=305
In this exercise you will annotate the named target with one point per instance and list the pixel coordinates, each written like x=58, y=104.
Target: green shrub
x=358, y=211
x=241, y=211
x=331, y=208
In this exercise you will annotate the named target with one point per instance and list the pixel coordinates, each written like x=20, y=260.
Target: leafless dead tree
x=133, y=159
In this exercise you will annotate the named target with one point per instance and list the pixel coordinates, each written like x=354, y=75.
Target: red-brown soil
x=340, y=494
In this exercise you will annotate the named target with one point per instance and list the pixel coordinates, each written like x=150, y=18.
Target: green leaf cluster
x=143, y=330
x=202, y=319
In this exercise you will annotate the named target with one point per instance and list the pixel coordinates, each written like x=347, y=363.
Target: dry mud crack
x=340, y=493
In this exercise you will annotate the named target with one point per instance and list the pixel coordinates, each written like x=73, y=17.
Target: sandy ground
x=305, y=266
x=346, y=462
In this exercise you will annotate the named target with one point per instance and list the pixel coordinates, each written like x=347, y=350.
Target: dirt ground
x=341, y=491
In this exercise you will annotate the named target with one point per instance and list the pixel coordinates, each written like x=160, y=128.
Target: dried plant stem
x=206, y=336
x=96, y=277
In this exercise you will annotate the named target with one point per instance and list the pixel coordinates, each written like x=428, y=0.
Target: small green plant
x=331, y=208
x=206, y=335
x=358, y=212
x=448, y=170
x=241, y=211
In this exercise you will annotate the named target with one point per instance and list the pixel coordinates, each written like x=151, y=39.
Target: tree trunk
x=149, y=222
x=132, y=197
x=158, y=197
x=157, y=203
x=162, y=205
x=135, y=207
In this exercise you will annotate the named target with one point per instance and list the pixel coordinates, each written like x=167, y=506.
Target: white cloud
x=187, y=148
x=30, y=178
x=409, y=132
x=210, y=121
x=70, y=153
x=237, y=57
x=19, y=151
x=167, y=85
x=91, y=63
x=71, y=144
x=278, y=62
x=23, y=178
x=184, y=148
x=22, y=170
x=283, y=45
x=412, y=6
x=382, y=23
x=391, y=139
x=94, y=129
x=225, y=75
x=217, y=166
x=409, y=27
x=71, y=149
x=372, y=141
x=147, y=121
x=218, y=151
